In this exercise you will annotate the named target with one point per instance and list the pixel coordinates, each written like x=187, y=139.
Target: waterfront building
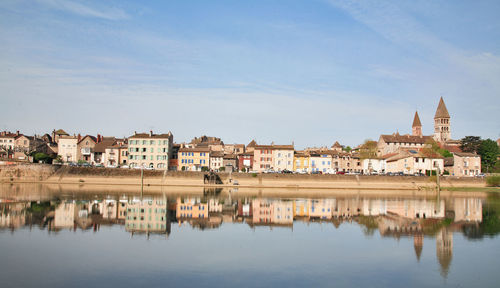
x=7, y=140
x=115, y=155
x=150, y=150
x=67, y=148
x=282, y=156
x=413, y=161
x=373, y=165
x=301, y=161
x=346, y=162
x=99, y=153
x=230, y=162
x=321, y=161
x=216, y=160
x=464, y=164
x=85, y=148
x=262, y=157
x=193, y=159
x=28, y=144
x=245, y=161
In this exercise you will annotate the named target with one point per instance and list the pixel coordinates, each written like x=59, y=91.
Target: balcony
x=86, y=151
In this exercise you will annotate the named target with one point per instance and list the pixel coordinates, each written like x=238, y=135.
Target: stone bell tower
x=442, y=129
x=416, y=128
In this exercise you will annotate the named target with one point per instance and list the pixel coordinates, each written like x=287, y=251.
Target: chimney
x=150, y=133
x=99, y=138
x=17, y=133
x=79, y=137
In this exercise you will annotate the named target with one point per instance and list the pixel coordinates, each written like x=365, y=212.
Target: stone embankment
x=56, y=174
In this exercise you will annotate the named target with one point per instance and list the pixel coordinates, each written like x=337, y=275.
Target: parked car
x=316, y=172
x=286, y=171
x=125, y=166
x=340, y=172
x=99, y=165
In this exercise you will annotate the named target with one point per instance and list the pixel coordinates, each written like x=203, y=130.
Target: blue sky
x=311, y=72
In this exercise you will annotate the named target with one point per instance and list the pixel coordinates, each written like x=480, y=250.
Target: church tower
x=416, y=128
x=442, y=131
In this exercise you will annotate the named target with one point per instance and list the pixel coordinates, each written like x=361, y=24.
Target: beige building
x=282, y=156
x=67, y=148
x=465, y=164
x=412, y=161
x=216, y=160
x=28, y=144
x=115, y=155
x=388, y=144
x=7, y=140
x=321, y=161
x=150, y=150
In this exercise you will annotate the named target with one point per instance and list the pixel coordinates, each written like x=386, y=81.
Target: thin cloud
x=86, y=11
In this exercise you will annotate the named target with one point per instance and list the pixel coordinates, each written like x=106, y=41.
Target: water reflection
x=423, y=219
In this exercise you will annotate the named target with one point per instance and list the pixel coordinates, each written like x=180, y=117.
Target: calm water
x=58, y=237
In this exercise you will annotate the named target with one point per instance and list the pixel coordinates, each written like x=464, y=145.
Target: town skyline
x=333, y=70
x=409, y=131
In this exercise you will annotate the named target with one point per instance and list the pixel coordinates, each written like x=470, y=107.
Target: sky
x=304, y=72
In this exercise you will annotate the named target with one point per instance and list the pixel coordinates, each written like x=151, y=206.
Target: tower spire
x=416, y=127
x=442, y=127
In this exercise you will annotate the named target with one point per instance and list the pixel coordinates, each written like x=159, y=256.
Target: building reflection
x=418, y=219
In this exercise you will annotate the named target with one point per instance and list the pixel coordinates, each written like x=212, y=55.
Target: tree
x=41, y=157
x=488, y=150
x=445, y=153
x=368, y=150
x=431, y=149
x=347, y=149
x=470, y=144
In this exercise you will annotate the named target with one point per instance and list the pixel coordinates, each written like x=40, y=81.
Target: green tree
x=41, y=157
x=445, y=153
x=470, y=144
x=368, y=150
x=431, y=149
x=347, y=149
x=488, y=150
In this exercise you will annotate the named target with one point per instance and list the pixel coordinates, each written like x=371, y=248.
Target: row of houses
x=395, y=154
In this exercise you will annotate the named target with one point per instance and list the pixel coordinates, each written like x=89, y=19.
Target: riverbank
x=66, y=175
